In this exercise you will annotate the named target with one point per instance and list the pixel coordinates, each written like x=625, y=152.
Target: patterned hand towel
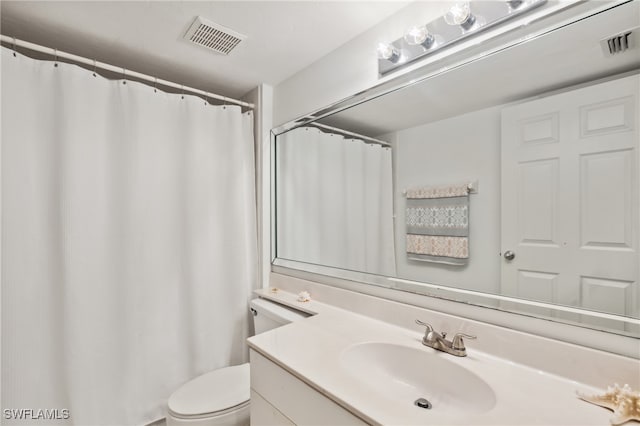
x=438, y=224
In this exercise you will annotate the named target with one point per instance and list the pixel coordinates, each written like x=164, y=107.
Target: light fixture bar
x=463, y=20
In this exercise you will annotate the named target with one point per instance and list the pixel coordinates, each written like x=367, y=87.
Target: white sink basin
x=405, y=374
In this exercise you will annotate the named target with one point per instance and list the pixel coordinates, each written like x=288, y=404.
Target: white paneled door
x=570, y=190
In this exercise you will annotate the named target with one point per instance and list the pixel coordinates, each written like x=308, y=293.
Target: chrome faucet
x=439, y=341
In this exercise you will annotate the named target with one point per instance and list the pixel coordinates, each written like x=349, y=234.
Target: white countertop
x=311, y=349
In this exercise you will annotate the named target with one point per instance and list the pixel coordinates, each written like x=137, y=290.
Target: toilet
x=221, y=397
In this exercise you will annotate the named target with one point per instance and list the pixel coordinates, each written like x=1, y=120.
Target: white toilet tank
x=268, y=315
x=221, y=397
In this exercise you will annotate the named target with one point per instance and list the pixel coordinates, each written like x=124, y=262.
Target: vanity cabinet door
x=265, y=414
x=299, y=403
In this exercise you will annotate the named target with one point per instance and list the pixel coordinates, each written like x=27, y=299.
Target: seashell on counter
x=624, y=402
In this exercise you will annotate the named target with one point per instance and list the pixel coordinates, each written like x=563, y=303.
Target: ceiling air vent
x=213, y=36
x=620, y=42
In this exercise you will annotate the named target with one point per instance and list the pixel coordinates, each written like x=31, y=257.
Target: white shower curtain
x=128, y=242
x=334, y=201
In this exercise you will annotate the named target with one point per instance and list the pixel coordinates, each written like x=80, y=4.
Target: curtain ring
x=155, y=85
x=124, y=76
x=206, y=98
x=94, y=68
x=14, y=48
x=55, y=57
x=224, y=102
x=182, y=91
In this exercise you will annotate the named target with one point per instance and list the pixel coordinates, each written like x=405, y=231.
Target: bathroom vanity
x=339, y=367
x=280, y=398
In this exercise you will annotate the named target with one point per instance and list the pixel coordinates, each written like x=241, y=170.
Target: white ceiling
x=283, y=37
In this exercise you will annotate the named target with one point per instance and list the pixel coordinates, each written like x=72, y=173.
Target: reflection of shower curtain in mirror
x=334, y=201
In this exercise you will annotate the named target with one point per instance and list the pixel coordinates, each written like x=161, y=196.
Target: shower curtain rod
x=348, y=133
x=95, y=64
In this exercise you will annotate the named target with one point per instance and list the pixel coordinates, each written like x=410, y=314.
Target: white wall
x=458, y=149
x=262, y=97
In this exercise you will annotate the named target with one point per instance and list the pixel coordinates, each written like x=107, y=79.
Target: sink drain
x=423, y=403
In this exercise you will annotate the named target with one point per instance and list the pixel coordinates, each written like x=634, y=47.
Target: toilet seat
x=212, y=394
x=211, y=415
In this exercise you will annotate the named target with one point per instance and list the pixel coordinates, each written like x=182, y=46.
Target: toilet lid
x=217, y=390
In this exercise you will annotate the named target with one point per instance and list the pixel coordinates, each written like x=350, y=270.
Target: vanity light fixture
x=462, y=20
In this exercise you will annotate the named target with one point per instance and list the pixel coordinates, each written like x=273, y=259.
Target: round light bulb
x=388, y=52
x=458, y=14
x=416, y=35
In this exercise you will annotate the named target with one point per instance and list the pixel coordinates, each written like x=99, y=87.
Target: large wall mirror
x=512, y=180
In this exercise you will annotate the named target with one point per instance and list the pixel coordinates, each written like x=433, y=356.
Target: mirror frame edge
x=568, y=333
